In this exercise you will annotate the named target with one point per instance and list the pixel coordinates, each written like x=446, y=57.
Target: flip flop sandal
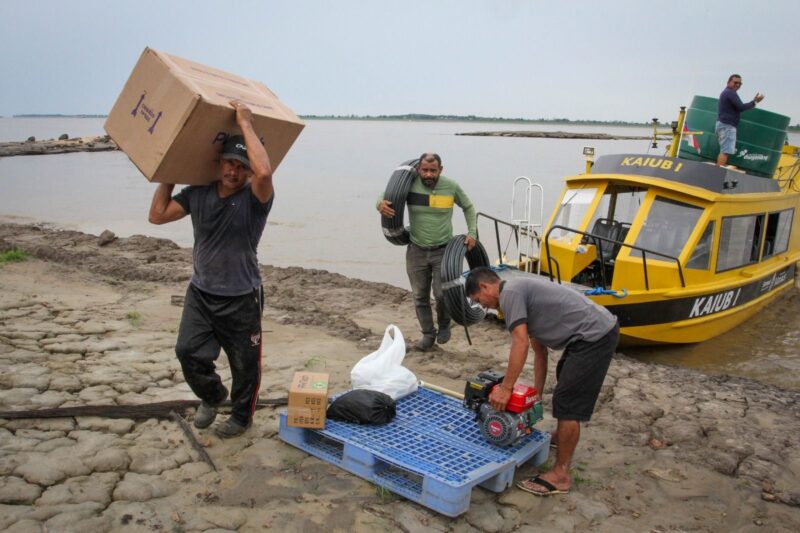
x=551, y=489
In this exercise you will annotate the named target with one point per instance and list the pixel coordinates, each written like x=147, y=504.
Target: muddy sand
x=88, y=324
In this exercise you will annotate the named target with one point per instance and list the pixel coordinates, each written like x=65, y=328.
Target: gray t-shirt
x=556, y=315
x=226, y=235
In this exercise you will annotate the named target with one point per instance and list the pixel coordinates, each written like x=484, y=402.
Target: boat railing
x=599, y=239
x=528, y=220
x=515, y=230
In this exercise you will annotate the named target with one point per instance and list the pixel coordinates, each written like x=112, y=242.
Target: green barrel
x=759, y=138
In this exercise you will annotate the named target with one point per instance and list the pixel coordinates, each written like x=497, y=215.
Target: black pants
x=233, y=323
x=424, y=267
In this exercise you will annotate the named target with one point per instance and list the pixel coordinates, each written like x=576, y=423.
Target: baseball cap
x=235, y=148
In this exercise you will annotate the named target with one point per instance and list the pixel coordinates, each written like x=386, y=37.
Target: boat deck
x=510, y=273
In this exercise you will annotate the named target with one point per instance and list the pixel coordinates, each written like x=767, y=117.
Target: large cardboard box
x=308, y=400
x=174, y=114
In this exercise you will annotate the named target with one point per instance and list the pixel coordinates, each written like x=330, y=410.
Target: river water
x=324, y=215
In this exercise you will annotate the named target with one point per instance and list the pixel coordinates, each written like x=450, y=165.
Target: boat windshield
x=702, y=252
x=572, y=210
x=619, y=203
x=667, y=228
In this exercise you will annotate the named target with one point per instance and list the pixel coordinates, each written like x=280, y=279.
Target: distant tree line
x=423, y=116
x=475, y=118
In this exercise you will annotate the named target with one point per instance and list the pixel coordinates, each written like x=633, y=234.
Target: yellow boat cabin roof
x=694, y=178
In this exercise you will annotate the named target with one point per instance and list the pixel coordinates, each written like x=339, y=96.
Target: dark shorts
x=580, y=373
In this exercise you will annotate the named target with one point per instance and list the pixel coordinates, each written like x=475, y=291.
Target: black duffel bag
x=362, y=406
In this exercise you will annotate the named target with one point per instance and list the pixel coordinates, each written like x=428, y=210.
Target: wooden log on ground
x=187, y=430
x=134, y=412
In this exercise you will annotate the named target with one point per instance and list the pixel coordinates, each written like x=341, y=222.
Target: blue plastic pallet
x=432, y=452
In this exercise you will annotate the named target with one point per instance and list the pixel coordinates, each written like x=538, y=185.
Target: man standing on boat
x=546, y=315
x=224, y=299
x=430, y=210
x=730, y=108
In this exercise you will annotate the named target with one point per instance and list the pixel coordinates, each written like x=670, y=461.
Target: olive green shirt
x=430, y=211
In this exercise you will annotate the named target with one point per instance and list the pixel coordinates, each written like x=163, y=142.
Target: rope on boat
x=597, y=291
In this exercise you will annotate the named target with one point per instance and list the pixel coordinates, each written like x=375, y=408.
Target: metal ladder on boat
x=528, y=223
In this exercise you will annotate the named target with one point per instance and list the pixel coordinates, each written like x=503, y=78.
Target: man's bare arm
x=163, y=208
x=259, y=159
x=499, y=396
x=517, y=356
x=540, y=353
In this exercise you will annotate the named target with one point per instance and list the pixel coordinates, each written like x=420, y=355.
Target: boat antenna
x=675, y=131
x=655, y=133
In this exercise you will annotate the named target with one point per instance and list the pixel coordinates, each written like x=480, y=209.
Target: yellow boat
x=680, y=250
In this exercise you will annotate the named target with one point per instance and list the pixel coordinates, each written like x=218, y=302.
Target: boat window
x=739, y=241
x=666, y=228
x=702, y=252
x=776, y=241
x=620, y=204
x=572, y=210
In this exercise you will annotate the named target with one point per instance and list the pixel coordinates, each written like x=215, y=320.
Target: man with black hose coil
x=223, y=302
x=430, y=211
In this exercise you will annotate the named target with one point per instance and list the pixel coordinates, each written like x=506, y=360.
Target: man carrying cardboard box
x=223, y=302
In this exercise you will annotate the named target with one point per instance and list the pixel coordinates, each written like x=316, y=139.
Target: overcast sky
x=604, y=60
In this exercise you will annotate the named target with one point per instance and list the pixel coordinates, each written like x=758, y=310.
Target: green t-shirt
x=430, y=211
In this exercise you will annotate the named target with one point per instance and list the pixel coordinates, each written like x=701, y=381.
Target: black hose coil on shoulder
x=462, y=310
x=394, y=228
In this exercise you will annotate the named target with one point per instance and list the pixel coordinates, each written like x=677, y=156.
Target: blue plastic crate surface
x=435, y=436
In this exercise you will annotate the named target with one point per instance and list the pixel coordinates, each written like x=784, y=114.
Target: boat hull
x=690, y=315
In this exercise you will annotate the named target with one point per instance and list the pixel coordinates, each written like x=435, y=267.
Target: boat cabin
x=641, y=223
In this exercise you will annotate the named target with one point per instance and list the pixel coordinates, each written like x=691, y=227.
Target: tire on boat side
x=394, y=228
x=460, y=308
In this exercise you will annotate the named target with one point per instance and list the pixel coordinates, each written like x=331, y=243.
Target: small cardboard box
x=173, y=116
x=308, y=400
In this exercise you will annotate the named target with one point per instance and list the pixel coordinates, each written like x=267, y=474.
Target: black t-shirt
x=226, y=235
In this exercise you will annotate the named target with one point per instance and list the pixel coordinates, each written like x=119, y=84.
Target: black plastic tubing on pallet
x=394, y=228
x=460, y=308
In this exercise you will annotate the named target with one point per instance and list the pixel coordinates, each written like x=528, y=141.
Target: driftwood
x=187, y=430
x=100, y=143
x=134, y=412
x=556, y=135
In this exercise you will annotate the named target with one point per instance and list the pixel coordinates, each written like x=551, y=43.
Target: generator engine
x=502, y=428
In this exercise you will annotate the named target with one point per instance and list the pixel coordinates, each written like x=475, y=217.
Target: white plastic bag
x=383, y=369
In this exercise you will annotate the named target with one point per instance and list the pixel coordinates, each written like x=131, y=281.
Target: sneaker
x=204, y=416
x=425, y=343
x=230, y=428
x=443, y=336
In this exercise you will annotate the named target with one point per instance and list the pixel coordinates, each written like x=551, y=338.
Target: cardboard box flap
x=220, y=87
x=201, y=72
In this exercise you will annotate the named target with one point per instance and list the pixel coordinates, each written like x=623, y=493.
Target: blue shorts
x=726, y=135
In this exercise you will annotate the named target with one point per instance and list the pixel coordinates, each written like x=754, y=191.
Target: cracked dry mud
x=85, y=324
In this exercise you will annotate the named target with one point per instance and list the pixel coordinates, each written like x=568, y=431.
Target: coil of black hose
x=455, y=299
x=394, y=228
